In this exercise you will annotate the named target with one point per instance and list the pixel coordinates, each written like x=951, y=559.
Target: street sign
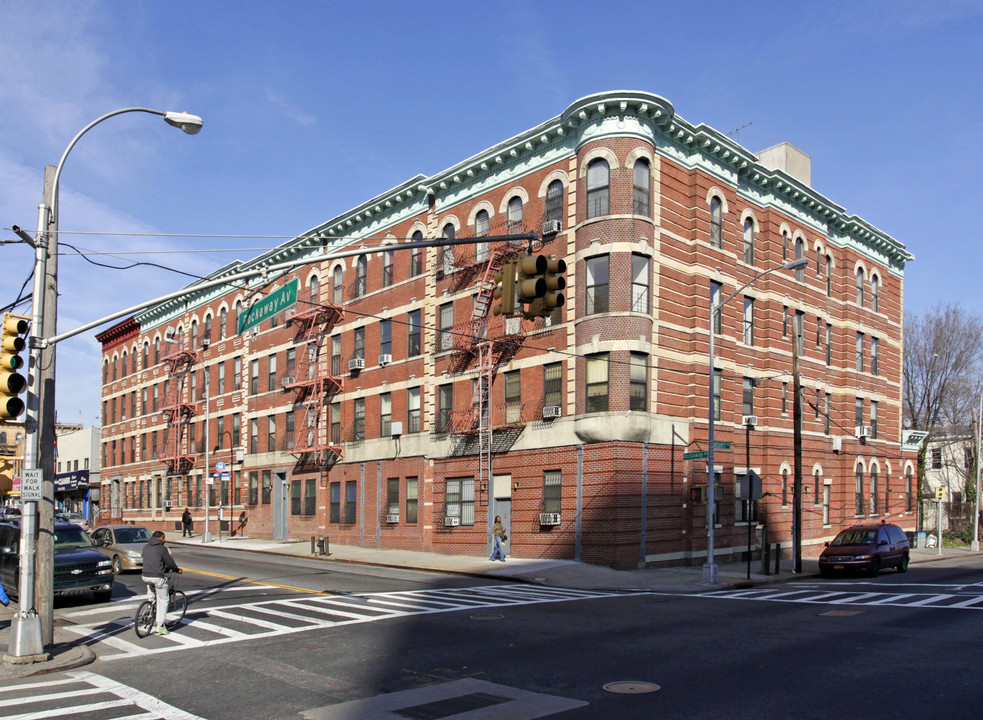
x=698, y=455
x=219, y=466
x=30, y=486
x=275, y=302
x=720, y=445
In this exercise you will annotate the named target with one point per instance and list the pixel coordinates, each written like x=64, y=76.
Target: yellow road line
x=260, y=582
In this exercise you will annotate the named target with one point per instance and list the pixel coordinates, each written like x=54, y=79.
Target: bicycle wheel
x=143, y=621
x=176, y=608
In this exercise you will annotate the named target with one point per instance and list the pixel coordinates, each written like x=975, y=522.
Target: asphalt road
x=286, y=638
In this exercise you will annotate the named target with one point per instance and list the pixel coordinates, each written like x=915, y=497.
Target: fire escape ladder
x=177, y=411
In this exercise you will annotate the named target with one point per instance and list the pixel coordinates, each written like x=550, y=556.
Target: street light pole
x=710, y=568
x=33, y=627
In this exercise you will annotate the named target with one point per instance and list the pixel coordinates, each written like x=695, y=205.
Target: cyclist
x=157, y=562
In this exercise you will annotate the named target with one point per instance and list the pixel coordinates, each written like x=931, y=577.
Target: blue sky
x=312, y=107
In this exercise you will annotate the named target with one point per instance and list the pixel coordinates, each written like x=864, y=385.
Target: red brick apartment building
x=390, y=408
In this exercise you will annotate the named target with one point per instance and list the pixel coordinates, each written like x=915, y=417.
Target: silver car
x=122, y=543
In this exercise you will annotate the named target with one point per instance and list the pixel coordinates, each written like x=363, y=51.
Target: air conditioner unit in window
x=286, y=380
x=385, y=359
x=549, y=518
x=356, y=364
x=392, y=518
x=552, y=227
x=837, y=445
x=864, y=432
x=551, y=411
x=168, y=504
x=205, y=342
x=452, y=521
x=749, y=420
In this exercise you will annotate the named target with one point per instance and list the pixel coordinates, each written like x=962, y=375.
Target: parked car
x=122, y=544
x=73, y=517
x=10, y=513
x=866, y=548
x=79, y=567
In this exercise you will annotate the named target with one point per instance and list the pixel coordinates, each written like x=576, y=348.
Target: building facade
x=389, y=407
x=77, y=469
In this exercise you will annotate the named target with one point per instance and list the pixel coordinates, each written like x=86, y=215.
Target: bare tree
x=943, y=366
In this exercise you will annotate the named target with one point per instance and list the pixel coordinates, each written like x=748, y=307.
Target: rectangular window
x=860, y=352
x=639, y=283
x=873, y=419
x=829, y=344
x=413, y=410
x=445, y=406
x=826, y=414
x=552, y=491
x=416, y=261
x=715, y=288
x=784, y=398
x=874, y=355
x=445, y=340
x=271, y=433
x=936, y=458
x=385, y=415
x=412, y=496
x=638, y=389
x=459, y=499
x=296, y=496
x=221, y=378
x=351, y=488
x=310, y=496
x=513, y=397
x=253, y=436
x=271, y=377
x=785, y=321
x=800, y=322
x=237, y=373
x=335, y=423
x=289, y=430
x=415, y=330
x=335, y=355
x=388, y=258
x=253, y=488
x=747, y=397
x=236, y=429
x=392, y=496
x=358, y=419
x=748, y=320
x=358, y=344
x=334, y=505
x=859, y=412
x=291, y=369
x=717, y=385
x=385, y=337
x=597, y=383
x=254, y=377
x=597, y=285
x=267, y=487
x=552, y=395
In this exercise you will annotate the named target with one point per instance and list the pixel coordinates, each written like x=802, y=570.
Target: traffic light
x=531, y=283
x=555, y=282
x=505, y=289
x=12, y=383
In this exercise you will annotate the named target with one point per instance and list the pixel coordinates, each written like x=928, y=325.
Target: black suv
x=79, y=567
x=866, y=548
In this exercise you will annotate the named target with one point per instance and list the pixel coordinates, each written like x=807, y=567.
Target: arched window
x=361, y=272
x=223, y=320
x=785, y=240
x=315, y=290
x=875, y=291
x=784, y=486
x=336, y=288
x=237, y=308
x=642, y=188
x=515, y=215
x=115, y=361
x=873, y=490
x=133, y=360
x=156, y=350
x=416, y=255
x=716, y=222
x=194, y=334
x=749, y=241
x=480, y=230
x=829, y=276
x=800, y=251
x=554, y=202
x=105, y=371
x=208, y=328
x=146, y=355
x=446, y=258
x=860, y=287
x=817, y=490
x=859, y=491
x=123, y=368
x=598, y=188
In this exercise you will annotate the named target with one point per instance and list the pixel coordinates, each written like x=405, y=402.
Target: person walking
x=157, y=562
x=186, y=523
x=498, y=537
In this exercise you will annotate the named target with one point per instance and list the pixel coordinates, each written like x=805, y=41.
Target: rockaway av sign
x=264, y=309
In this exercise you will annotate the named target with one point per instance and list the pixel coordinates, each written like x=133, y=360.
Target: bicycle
x=146, y=616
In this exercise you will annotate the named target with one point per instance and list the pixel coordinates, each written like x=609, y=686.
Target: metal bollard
x=766, y=559
x=313, y=545
x=778, y=558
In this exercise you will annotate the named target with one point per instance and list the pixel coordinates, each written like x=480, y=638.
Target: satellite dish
x=907, y=423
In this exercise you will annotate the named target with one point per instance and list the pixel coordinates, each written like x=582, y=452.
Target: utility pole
x=796, y=451
x=45, y=557
x=978, y=438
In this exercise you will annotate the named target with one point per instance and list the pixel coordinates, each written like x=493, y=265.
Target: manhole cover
x=631, y=687
x=487, y=617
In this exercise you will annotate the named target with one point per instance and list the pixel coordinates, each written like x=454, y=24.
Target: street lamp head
x=191, y=124
x=797, y=264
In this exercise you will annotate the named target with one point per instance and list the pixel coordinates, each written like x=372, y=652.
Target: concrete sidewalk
x=557, y=573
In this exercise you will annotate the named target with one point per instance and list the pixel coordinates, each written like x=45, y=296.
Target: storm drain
x=631, y=687
x=451, y=706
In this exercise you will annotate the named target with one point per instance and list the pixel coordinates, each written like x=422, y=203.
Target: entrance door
x=503, y=507
x=281, y=505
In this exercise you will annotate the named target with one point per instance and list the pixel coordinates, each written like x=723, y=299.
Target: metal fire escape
x=177, y=411
x=313, y=381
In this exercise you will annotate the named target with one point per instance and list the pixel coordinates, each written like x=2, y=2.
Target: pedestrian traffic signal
x=12, y=383
x=530, y=284
x=505, y=290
